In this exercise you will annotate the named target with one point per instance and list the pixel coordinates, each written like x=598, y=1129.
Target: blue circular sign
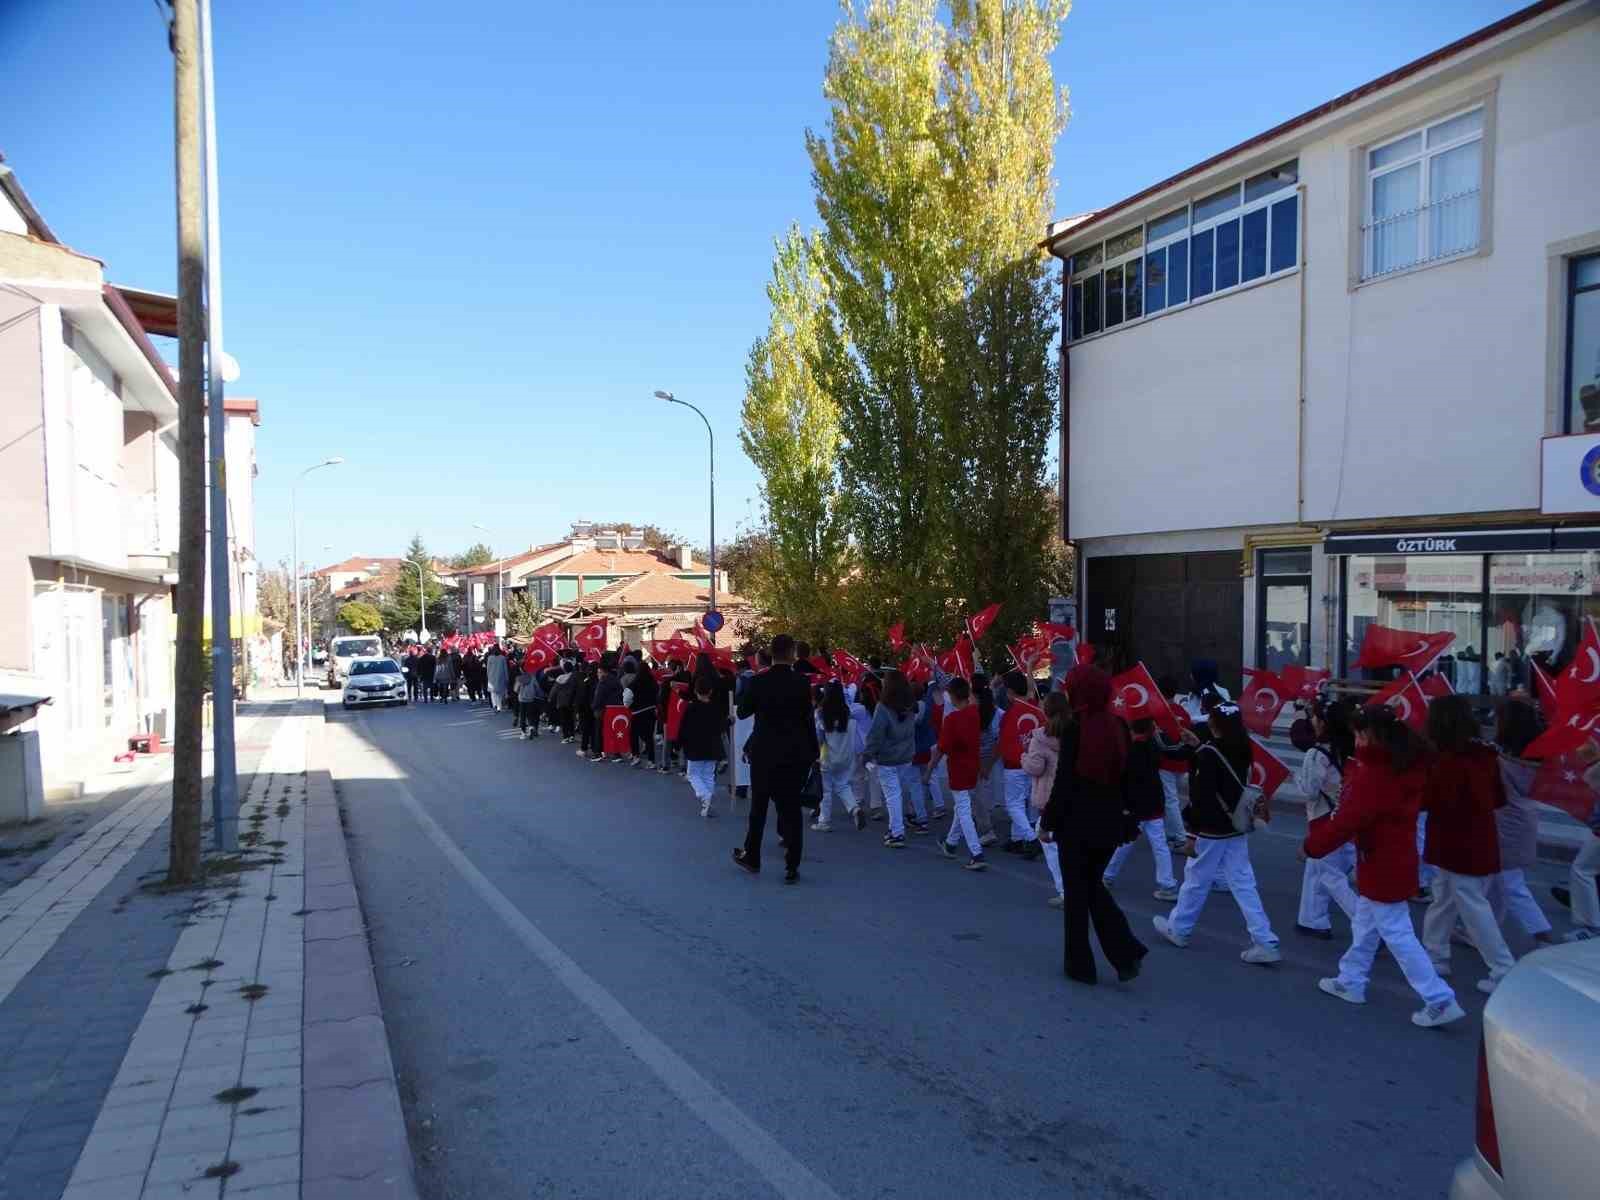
x=1589, y=471
x=712, y=621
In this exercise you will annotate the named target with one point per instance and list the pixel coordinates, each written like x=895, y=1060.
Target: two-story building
x=1348, y=371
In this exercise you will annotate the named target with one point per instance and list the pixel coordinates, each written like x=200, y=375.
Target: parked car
x=345, y=650
x=1538, y=1128
x=374, y=681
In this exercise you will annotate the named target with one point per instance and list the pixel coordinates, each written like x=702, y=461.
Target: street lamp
x=500, y=590
x=711, y=460
x=294, y=517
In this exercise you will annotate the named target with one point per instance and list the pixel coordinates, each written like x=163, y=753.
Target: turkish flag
x=1085, y=654
x=1134, y=696
x=1055, y=633
x=958, y=659
x=617, y=723
x=1017, y=726
x=536, y=658
x=551, y=636
x=1578, y=684
x=1433, y=685
x=979, y=624
x=1267, y=771
x=1545, y=690
x=592, y=654
x=1385, y=647
x=1573, y=731
x=850, y=668
x=897, y=635
x=1262, y=700
x=1559, y=783
x=916, y=670
x=1407, y=699
x=1300, y=681
x=592, y=636
x=677, y=701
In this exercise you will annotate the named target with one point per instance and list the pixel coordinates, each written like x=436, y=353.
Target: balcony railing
x=1446, y=228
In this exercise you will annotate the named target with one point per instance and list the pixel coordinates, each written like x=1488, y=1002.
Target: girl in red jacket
x=1378, y=810
x=1463, y=792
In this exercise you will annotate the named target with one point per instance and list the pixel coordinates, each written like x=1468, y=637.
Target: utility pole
x=183, y=866
x=224, y=767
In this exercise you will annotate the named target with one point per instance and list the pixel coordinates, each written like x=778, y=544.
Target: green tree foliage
x=403, y=608
x=789, y=428
x=523, y=614
x=476, y=555
x=360, y=617
x=275, y=599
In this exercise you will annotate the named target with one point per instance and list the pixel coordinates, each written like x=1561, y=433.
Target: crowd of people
x=1444, y=819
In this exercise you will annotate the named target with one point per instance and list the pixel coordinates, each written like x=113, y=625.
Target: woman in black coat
x=1087, y=815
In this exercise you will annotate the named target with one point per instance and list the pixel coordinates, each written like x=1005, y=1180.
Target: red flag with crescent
x=1267, y=771
x=1385, y=647
x=617, y=724
x=536, y=658
x=1301, y=681
x=1262, y=700
x=1055, y=633
x=551, y=636
x=1559, y=782
x=1407, y=699
x=979, y=624
x=1578, y=684
x=1569, y=734
x=1433, y=685
x=592, y=636
x=958, y=660
x=677, y=701
x=1134, y=695
x=1017, y=726
x=849, y=666
x=897, y=635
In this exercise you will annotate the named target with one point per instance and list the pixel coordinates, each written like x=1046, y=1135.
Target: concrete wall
x=22, y=479
x=86, y=518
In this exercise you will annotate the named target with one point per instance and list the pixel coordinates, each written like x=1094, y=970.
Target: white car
x=1538, y=1126
x=374, y=681
x=346, y=650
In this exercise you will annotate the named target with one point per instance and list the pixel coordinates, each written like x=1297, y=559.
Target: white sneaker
x=1057, y=900
x=1487, y=986
x=1582, y=933
x=821, y=827
x=1435, y=1015
x=1165, y=930
x=1340, y=992
x=705, y=809
x=1261, y=955
x=1168, y=894
x=989, y=838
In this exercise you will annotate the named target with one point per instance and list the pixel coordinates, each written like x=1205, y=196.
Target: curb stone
x=354, y=1139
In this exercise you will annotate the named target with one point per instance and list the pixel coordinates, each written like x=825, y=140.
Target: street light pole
x=711, y=461
x=294, y=519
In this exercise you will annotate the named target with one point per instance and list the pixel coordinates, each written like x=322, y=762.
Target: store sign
x=1472, y=541
x=1553, y=575
x=1569, y=474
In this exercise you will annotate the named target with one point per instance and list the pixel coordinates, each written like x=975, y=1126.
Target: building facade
x=1349, y=372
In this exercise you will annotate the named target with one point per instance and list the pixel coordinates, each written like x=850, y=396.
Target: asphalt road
x=585, y=998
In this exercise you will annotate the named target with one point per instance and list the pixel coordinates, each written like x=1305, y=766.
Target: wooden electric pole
x=187, y=771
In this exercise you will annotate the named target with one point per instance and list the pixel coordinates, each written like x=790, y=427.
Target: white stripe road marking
x=788, y=1176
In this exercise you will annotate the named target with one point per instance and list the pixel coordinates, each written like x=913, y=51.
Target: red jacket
x=958, y=739
x=1377, y=809
x=1462, y=792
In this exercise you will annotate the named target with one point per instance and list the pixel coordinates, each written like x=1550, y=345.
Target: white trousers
x=1052, y=859
x=1466, y=897
x=869, y=791
x=939, y=786
x=703, y=778
x=1326, y=879
x=836, y=785
x=1228, y=860
x=1585, y=903
x=1425, y=871
x=1510, y=896
x=1019, y=788
x=1174, y=803
x=899, y=784
x=1155, y=832
x=961, y=825
x=1391, y=925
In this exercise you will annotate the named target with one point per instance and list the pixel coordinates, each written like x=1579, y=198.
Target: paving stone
x=248, y=1148
x=355, y=1133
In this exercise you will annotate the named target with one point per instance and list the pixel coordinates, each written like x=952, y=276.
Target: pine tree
x=403, y=610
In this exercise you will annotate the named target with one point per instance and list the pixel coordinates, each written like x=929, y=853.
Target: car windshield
x=375, y=666
x=357, y=648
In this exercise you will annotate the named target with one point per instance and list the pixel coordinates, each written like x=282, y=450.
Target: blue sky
x=464, y=243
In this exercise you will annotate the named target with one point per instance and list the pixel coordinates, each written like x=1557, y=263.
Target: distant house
x=370, y=579
x=650, y=605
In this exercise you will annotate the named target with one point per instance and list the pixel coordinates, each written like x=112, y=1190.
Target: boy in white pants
x=700, y=737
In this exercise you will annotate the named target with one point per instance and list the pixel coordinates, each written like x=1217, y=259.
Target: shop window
x=1583, y=345
x=1283, y=613
x=1537, y=603
x=1428, y=593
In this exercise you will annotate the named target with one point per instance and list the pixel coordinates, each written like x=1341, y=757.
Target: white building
x=1349, y=371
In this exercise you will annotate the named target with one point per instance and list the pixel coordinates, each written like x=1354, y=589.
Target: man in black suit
x=780, y=749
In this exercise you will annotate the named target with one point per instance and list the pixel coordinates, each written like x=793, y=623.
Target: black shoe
x=1090, y=980
x=946, y=849
x=1032, y=851
x=1563, y=896
x=792, y=875
x=1325, y=935
x=1012, y=846
x=740, y=860
x=1131, y=972
x=860, y=818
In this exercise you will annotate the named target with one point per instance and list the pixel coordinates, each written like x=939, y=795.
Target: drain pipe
x=1300, y=382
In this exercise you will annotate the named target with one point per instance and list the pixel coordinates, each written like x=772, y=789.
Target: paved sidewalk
x=152, y=1042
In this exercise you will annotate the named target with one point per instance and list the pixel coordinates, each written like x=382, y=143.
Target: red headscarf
x=1102, y=739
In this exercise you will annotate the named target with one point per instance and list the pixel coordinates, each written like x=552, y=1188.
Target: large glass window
x=1091, y=305
x=1422, y=194
x=1227, y=255
x=1583, y=345
x=1428, y=593
x=1201, y=264
x=1133, y=289
x=1253, y=261
x=1284, y=614
x=1536, y=602
x=1177, y=273
x=1155, y=281
x=1285, y=234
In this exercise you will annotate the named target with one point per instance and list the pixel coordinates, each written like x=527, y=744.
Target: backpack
x=1247, y=809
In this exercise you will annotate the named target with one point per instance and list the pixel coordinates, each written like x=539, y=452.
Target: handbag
x=1244, y=813
x=811, y=790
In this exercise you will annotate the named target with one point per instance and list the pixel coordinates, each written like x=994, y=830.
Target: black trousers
x=568, y=720
x=780, y=786
x=586, y=724
x=644, y=734
x=1086, y=899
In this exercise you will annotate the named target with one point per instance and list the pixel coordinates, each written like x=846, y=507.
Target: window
x=1583, y=345
x=1429, y=593
x=1423, y=192
x=1230, y=237
x=1283, y=619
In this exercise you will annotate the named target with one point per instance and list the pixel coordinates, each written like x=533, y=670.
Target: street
x=585, y=998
